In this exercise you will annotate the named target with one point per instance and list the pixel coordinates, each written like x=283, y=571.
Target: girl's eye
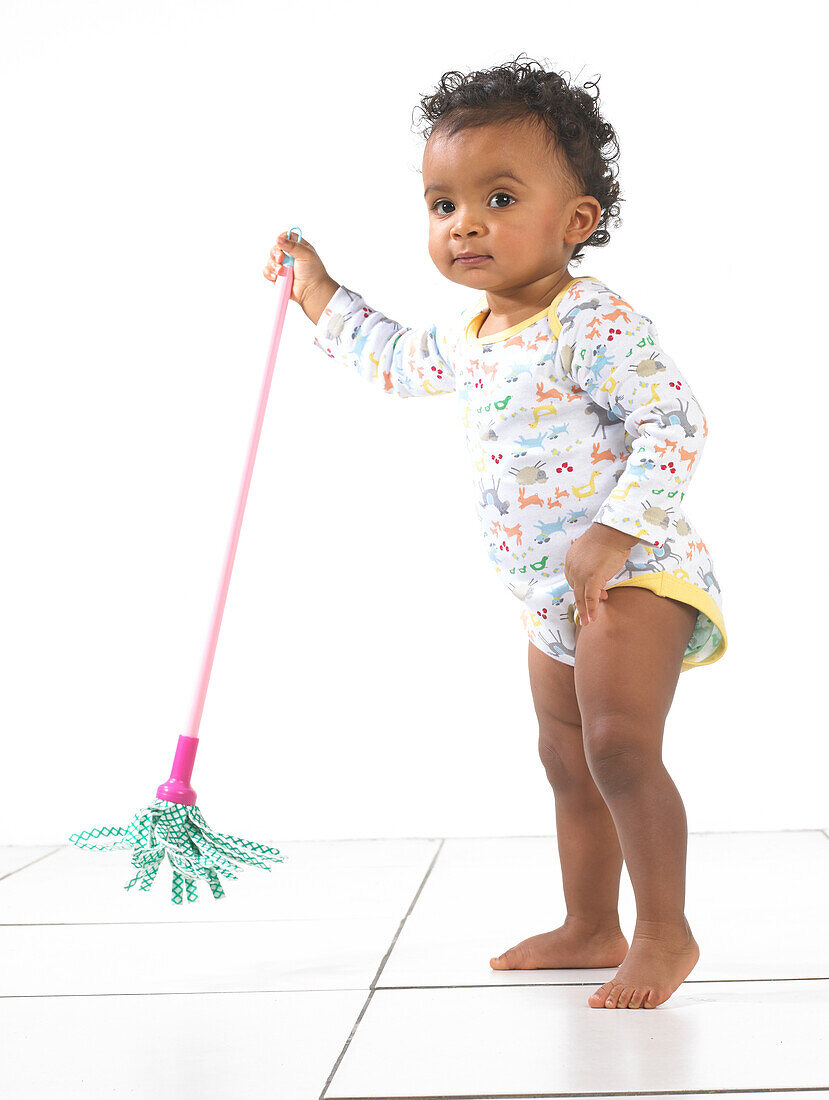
x=497, y=195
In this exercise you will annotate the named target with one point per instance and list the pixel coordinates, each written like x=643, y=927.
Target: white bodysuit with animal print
x=574, y=416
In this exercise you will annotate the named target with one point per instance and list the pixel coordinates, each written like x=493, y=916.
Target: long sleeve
x=404, y=361
x=614, y=354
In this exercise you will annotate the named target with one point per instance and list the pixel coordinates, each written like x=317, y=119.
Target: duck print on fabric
x=576, y=415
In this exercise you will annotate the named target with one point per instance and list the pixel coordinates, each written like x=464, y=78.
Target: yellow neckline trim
x=551, y=313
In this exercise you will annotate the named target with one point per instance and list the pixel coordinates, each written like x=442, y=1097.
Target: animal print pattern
x=575, y=416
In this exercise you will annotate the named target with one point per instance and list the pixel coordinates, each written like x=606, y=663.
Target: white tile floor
x=360, y=969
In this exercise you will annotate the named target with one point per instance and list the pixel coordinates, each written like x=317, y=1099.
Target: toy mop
x=173, y=825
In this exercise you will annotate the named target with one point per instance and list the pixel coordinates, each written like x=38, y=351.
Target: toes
x=612, y=998
x=638, y=997
x=597, y=999
x=516, y=958
x=625, y=996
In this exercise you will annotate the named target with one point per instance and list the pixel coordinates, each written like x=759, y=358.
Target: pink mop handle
x=177, y=788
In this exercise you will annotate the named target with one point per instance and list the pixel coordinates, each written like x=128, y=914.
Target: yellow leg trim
x=666, y=584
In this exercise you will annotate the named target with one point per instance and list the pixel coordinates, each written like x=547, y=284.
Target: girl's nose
x=464, y=226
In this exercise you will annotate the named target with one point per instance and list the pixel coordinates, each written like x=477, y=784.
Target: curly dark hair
x=517, y=92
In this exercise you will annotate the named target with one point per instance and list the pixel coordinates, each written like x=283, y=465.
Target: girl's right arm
x=405, y=362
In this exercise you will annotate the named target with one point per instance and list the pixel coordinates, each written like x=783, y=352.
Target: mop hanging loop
x=288, y=261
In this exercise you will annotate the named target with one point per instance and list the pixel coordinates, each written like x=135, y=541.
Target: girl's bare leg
x=591, y=859
x=627, y=665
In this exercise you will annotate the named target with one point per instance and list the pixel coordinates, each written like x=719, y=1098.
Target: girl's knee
x=561, y=750
x=621, y=749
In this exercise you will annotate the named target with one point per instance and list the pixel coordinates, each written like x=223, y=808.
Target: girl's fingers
x=276, y=260
x=593, y=595
x=581, y=605
x=588, y=604
x=269, y=271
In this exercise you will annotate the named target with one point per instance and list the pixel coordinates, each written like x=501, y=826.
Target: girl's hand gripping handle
x=313, y=287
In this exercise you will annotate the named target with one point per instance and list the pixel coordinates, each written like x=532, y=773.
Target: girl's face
x=528, y=226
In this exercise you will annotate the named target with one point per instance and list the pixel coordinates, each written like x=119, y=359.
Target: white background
x=371, y=674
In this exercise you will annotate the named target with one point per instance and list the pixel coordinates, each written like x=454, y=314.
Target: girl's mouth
x=471, y=261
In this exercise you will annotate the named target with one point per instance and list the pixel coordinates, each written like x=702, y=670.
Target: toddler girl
x=583, y=436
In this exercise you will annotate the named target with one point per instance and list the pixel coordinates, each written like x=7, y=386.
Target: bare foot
x=565, y=948
x=660, y=959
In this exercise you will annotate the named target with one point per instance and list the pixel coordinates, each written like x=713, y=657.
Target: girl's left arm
x=614, y=354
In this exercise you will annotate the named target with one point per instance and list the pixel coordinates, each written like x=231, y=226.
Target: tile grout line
x=383, y=961
x=575, y=1095
x=386, y=989
x=17, y=870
